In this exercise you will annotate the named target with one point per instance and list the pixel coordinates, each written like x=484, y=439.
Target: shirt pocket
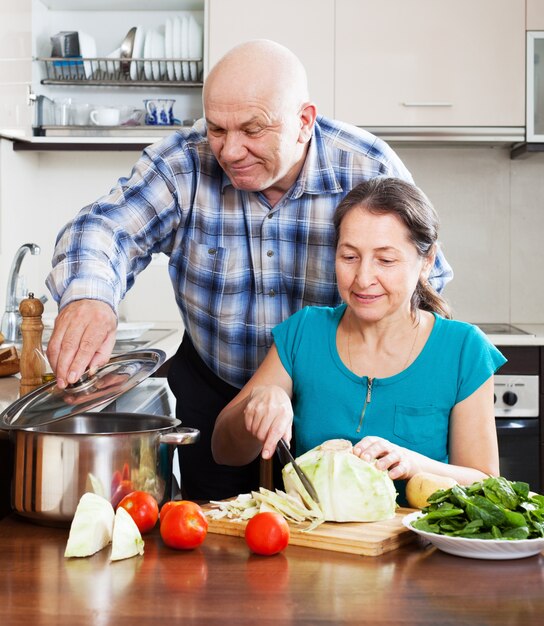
x=216, y=280
x=417, y=424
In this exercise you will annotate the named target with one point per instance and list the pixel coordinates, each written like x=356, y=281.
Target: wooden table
x=221, y=583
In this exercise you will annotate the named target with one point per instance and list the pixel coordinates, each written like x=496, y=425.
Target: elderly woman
x=388, y=369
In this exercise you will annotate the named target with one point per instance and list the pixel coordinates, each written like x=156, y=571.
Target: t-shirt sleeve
x=287, y=338
x=479, y=360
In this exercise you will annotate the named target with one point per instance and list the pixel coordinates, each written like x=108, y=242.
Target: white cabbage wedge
x=127, y=540
x=92, y=526
x=349, y=488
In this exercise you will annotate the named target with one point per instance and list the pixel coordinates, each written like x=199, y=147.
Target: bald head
x=258, y=117
x=259, y=70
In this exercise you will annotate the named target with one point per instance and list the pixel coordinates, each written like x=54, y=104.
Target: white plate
x=137, y=51
x=148, y=71
x=87, y=49
x=169, y=48
x=113, y=66
x=184, y=36
x=127, y=331
x=157, y=52
x=494, y=549
x=176, y=46
x=195, y=45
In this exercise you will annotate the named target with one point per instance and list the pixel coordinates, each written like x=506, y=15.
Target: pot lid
x=48, y=403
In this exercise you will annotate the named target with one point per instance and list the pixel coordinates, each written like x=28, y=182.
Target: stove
x=148, y=339
x=501, y=329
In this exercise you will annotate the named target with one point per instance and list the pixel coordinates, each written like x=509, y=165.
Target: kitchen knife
x=286, y=457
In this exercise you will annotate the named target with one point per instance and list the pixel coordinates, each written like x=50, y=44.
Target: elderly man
x=242, y=204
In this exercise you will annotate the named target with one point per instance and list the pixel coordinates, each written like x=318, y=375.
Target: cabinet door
x=15, y=65
x=305, y=26
x=429, y=63
x=535, y=15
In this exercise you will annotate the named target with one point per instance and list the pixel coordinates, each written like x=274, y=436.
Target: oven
x=518, y=402
x=518, y=427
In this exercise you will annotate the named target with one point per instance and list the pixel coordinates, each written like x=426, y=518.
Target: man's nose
x=233, y=147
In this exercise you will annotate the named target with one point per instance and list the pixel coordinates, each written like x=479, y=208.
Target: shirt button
x=271, y=293
x=212, y=251
x=270, y=253
x=270, y=216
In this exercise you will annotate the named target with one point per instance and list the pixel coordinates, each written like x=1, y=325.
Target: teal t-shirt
x=411, y=408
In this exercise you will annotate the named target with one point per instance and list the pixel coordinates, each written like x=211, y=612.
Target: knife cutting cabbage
x=349, y=489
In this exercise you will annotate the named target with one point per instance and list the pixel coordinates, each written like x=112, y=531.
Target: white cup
x=105, y=117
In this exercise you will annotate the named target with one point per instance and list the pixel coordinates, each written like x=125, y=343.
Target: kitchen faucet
x=11, y=320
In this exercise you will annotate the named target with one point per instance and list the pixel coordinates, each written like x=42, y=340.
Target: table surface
x=222, y=583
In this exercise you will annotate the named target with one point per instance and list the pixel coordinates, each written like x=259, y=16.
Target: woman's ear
x=307, y=115
x=428, y=264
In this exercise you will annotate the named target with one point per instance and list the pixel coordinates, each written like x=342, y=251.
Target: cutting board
x=364, y=538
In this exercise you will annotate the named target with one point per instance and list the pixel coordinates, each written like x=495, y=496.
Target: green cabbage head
x=349, y=488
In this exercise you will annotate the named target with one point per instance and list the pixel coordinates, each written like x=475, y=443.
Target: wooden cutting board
x=364, y=538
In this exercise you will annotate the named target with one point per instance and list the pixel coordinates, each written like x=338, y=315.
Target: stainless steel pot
x=107, y=453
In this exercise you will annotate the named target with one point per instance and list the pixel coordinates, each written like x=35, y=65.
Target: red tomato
x=143, y=509
x=168, y=506
x=267, y=533
x=184, y=527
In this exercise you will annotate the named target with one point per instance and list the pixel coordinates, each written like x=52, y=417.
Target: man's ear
x=307, y=115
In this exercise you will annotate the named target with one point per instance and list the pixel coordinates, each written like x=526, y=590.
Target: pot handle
x=180, y=436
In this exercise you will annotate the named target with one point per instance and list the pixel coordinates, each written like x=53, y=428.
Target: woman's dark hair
x=411, y=205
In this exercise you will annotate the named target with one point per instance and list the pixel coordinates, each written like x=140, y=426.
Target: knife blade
x=284, y=453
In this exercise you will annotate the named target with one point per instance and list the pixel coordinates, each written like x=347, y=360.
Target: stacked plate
x=178, y=42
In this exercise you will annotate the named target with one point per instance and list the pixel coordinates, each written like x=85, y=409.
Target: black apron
x=200, y=397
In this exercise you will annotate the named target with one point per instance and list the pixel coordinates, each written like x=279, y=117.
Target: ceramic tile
x=527, y=228
x=469, y=187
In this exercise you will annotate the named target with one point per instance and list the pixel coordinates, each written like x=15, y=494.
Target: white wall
x=491, y=209
x=39, y=193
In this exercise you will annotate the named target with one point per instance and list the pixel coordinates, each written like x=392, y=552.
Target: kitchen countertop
x=222, y=583
x=9, y=386
x=534, y=338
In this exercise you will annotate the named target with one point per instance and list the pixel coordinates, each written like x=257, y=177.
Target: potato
x=422, y=485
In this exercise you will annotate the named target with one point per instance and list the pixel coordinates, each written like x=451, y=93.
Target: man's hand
x=83, y=337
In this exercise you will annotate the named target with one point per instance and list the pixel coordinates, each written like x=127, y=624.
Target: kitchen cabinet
x=425, y=63
x=535, y=86
x=15, y=65
x=306, y=27
x=535, y=15
x=26, y=38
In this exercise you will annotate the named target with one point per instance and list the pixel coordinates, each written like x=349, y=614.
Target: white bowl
x=494, y=549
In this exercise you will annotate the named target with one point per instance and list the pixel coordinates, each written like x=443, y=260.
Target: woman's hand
x=268, y=416
x=398, y=461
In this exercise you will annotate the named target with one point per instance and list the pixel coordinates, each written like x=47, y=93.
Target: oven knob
x=509, y=398
x=494, y=398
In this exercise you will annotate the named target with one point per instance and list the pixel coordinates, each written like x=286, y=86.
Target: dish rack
x=107, y=71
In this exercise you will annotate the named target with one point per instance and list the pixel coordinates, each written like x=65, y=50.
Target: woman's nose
x=365, y=274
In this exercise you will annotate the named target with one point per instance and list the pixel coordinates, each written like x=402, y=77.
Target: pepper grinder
x=31, y=363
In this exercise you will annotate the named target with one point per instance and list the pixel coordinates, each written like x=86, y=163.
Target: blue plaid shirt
x=238, y=266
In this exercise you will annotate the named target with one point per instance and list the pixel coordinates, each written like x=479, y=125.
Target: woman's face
x=377, y=266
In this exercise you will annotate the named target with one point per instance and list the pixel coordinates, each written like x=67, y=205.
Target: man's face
x=257, y=145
